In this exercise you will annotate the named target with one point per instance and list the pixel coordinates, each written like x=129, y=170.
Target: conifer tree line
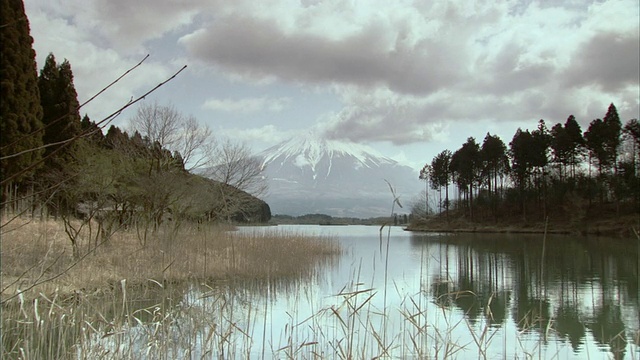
x=53, y=160
x=561, y=172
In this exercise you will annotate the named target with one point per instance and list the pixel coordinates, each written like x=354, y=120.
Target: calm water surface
x=415, y=295
x=493, y=294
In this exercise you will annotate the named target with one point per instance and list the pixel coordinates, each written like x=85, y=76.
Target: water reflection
x=575, y=288
x=430, y=296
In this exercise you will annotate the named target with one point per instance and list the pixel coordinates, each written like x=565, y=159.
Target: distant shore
x=622, y=227
x=482, y=230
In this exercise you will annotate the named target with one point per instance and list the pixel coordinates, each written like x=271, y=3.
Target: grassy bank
x=37, y=257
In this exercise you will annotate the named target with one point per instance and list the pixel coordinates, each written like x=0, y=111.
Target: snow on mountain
x=309, y=150
x=308, y=174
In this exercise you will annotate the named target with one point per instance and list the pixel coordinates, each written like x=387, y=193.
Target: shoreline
x=489, y=231
x=624, y=229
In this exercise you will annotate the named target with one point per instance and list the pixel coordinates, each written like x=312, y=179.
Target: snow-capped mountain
x=308, y=174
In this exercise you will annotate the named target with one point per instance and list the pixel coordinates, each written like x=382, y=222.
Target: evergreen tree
x=613, y=129
x=61, y=118
x=539, y=160
x=441, y=174
x=494, y=160
x=465, y=163
x=632, y=173
x=93, y=131
x=595, y=140
x=575, y=150
x=560, y=145
x=20, y=110
x=603, y=139
x=541, y=143
x=425, y=174
x=522, y=162
x=61, y=111
x=115, y=138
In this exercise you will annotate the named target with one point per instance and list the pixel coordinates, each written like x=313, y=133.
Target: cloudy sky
x=409, y=78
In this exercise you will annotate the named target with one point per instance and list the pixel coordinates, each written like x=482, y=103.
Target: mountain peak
x=311, y=174
x=310, y=148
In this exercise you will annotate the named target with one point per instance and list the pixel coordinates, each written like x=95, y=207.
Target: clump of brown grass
x=37, y=255
x=53, y=301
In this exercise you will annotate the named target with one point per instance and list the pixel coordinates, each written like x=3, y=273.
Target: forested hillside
x=56, y=163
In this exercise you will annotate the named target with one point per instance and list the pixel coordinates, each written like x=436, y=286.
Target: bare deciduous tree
x=197, y=144
x=171, y=130
x=158, y=123
x=236, y=166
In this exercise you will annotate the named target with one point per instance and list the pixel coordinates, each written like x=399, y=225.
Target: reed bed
x=37, y=255
x=53, y=300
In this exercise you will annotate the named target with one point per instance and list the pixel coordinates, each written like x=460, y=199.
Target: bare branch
x=114, y=82
x=236, y=166
x=168, y=128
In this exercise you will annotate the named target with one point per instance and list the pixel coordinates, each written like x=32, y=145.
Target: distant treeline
x=559, y=172
x=323, y=219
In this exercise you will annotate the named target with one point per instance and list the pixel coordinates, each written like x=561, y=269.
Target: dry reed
x=55, y=305
x=39, y=252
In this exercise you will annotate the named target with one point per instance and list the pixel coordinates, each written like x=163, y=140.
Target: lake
x=399, y=294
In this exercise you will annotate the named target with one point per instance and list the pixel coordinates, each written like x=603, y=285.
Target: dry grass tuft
x=39, y=253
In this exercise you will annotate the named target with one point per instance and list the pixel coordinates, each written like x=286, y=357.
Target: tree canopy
x=544, y=171
x=20, y=109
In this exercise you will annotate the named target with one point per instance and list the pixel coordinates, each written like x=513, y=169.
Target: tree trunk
x=446, y=199
x=471, y=201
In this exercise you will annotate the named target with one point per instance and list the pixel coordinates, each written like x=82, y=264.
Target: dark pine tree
x=20, y=110
x=560, y=145
x=494, y=162
x=115, y=138
x=595, y=140
x=441, y=175
x=465, y=163
x=92, y=130
x=61, y=112
x=613, y=128
x=540, y=159
x=522, y=163
x=577, y=143
x=632, y=176
x=61, y=118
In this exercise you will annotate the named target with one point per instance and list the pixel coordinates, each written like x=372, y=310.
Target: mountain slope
x=309, y=174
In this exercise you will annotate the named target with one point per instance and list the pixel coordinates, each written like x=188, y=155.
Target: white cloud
x=371, y=57
x=93, y=65
x=269, y=134
x=248, y=105
x=121, y=24
x=403, y=71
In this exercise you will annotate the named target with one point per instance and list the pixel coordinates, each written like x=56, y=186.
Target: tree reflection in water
x=579, y=286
